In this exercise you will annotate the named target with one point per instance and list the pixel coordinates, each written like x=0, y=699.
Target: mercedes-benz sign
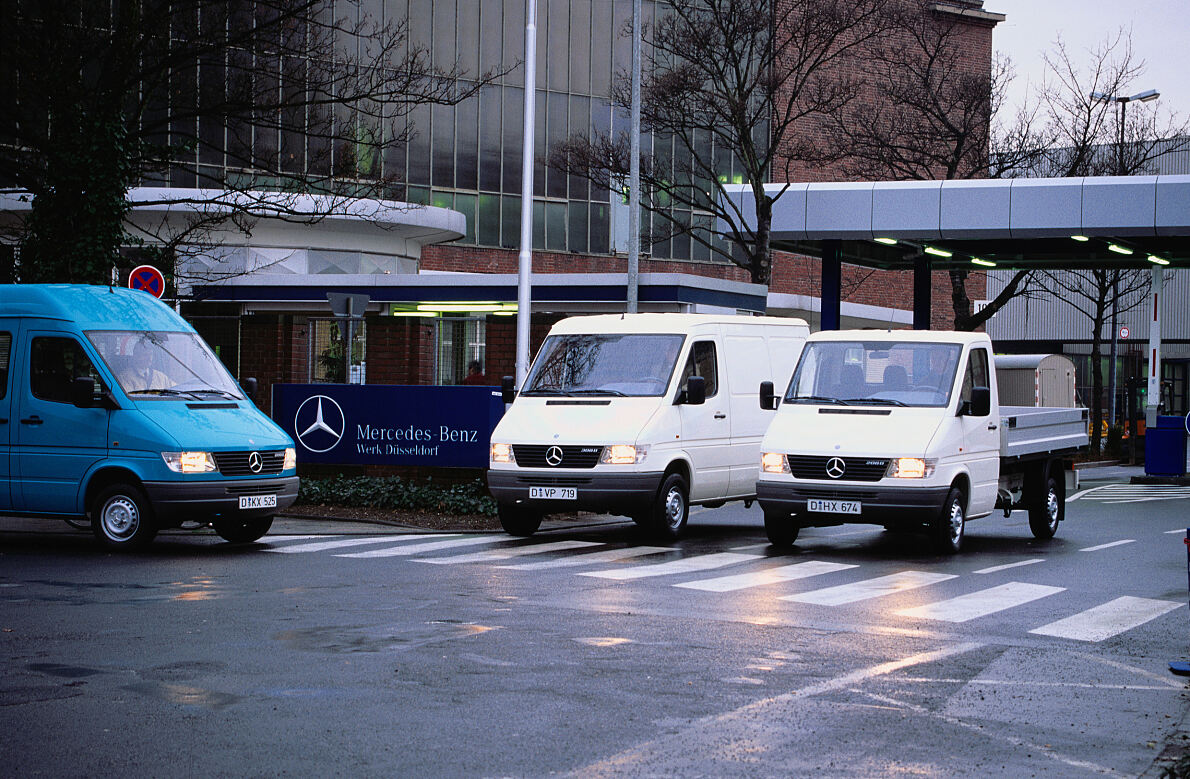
x=319, y=423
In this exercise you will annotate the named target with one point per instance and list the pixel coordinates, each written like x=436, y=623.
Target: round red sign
x=147, y=279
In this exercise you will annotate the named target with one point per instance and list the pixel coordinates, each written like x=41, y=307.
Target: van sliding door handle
x=992, y=427
x=33, y=420
x=720, y=415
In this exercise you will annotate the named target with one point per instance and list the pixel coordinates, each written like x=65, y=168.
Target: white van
x=639, y=414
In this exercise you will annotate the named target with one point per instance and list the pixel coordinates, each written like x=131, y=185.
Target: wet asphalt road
x=197, y=657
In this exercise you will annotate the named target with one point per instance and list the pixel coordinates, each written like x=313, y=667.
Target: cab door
x=706, y=428
x=55, y=442
x=981, y=438
x=8, y=332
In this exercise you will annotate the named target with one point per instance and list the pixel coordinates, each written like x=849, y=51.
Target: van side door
x=56, y=442
x=746, y=357
x=981, y=437
x=8, y=332
x=706, y=429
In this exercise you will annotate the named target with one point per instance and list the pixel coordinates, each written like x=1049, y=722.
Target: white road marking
x=507, y=552
x=1108, y=619
x=609, y=556
x=1132, y=493
x=685, y=565
x=270, y=538
x=1179, y=531
x=431, y=546
x=782, y=573
x=322, y=546
x=1108, y=546
x=869, y=588
x=979, y=604
x=996, y=568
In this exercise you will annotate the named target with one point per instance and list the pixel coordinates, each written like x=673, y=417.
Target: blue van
x=113, y=408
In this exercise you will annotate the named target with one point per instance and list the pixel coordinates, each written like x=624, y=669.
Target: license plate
x=553, y=493
x=258, y=501
x=834, y=506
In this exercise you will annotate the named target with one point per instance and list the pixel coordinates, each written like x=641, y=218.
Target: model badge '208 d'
x=130, y=420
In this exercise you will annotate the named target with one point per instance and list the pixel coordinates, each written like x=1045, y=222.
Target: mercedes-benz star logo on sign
x=553, y=456
x=319, y=423
x=254, y=462
x=835, y=467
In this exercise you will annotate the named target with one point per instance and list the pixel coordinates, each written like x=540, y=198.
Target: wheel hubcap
x=673, y=508
x=956, y=523
x=1051, y=508
x=120, y=517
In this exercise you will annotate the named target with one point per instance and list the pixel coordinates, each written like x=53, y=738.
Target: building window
x=461, y=341
x=328, y=355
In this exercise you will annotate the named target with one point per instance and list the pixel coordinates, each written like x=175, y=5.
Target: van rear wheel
x=518, y=521
x=781, y=528
x=121, y=517
x=243, y=531
x=1047, y=509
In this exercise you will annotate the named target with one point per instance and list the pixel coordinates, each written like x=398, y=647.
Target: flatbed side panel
x=1029, y=430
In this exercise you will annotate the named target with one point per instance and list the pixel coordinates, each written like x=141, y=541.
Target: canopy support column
x=921, y=293
x=832, y=284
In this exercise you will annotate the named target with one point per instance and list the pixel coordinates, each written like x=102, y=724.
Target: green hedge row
x=393, y=492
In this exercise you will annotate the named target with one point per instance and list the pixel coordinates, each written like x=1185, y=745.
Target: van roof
x=923, y=336
x=665, y=323
x=90, y=307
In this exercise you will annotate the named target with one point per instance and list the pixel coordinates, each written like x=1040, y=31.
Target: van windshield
x=876, y=373
x=605, y=364
x=157, y=365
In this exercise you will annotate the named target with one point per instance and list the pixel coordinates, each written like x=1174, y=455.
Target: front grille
x=254, y=489
x=828, y=494
x=553, y=481
x=534, y=456
x=804, y=466
x=238, y=463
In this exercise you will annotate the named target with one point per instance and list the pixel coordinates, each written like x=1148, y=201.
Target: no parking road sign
x=147, y=279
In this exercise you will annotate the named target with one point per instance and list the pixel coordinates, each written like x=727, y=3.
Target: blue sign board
x=381, y=424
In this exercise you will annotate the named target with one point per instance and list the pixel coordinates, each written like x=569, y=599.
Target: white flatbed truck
x=904, y=429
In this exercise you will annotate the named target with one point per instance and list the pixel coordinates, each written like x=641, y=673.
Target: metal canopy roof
x=1013, y=223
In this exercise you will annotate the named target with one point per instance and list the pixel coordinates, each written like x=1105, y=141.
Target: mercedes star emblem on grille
x=835, y=467
x=255, y=464
x=553, y=456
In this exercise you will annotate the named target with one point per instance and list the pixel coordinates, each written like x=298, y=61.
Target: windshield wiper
x=815, y=399
x=548, y=391
x=601, y=391
x=875, y=401
x=213, y=391
x=157, y=391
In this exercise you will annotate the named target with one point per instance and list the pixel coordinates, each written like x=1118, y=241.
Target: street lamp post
x=1122, y=101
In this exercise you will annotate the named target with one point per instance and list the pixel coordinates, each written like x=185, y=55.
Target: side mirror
x=980, y=404
x=768, y=399
x=695, y=393
x=82, y=392
x=508, y=389
x=250, y=387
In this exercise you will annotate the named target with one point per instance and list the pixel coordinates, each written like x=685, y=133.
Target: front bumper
x=879, y=504
x=175, y=502
x=603, y=493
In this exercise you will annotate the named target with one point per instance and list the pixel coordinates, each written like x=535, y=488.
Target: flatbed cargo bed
x=1026, y=431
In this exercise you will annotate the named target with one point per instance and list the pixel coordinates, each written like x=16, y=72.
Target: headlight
x=502, y=453
x=774, y=462
x=623, y=454
x=189, y=462
x=290, y=459
x=910, y=468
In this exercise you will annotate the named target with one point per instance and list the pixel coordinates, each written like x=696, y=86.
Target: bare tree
x=731, y=89
x=292, y=96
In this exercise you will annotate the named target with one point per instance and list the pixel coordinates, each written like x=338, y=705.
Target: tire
x=1047, y=509
x=671, y=507
x=781, y=528
x=518, y=521
x=951, y=523
x=243, y=531
x=121, y=517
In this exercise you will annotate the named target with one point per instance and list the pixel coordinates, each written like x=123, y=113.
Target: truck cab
x=113, y=409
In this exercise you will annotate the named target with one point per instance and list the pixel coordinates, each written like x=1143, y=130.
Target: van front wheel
x=121, y=517
x=518, y=521
x=671, y=507
x=243, y=531
x=781, y=528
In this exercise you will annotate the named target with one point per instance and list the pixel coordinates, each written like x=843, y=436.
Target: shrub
x=393, y=492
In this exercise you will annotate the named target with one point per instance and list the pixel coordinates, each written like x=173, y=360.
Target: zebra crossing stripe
x=609, y=556
x=998, y=568
x=322, y=546
x=705, y=562
x=782, y=573
x=430, y=546
x=1108, y=546
x=1107, y=619
x=869, y=588
x=981, y=603
x=506, y=552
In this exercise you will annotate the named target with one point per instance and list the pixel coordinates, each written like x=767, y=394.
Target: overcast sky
x=1160, y=36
